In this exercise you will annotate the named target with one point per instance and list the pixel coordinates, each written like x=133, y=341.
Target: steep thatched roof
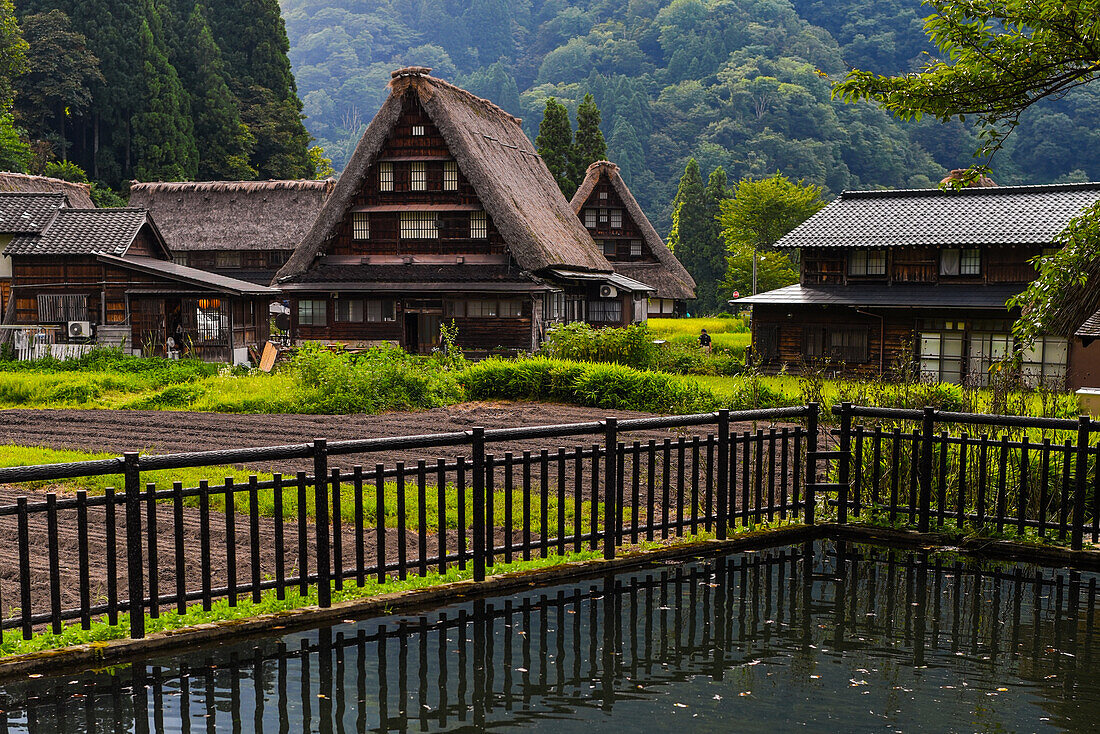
x=79, y=195
x=668, y=276
x=509, y=177
x=233, y=215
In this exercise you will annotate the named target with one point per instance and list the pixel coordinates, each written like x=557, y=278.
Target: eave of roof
x=203, y=279
x=910, y=296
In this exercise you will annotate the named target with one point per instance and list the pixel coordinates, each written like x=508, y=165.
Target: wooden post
x=1084, y=423
x=610, y=512
x=844, y=470
x=928, y=427
x=477, y=440
x=135, y=574
x=811, y=461
x=721, y=512
x=320, y=504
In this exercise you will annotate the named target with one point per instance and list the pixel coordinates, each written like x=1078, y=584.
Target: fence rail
x=596, y=486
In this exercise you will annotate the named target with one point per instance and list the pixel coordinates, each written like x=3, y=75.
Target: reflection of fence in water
x=596, y=645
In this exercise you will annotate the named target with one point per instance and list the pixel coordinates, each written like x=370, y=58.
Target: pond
x=823, y=637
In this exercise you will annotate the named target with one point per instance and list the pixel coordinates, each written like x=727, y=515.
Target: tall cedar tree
x=59, y=83
x=163, y=139
x=113, y=31
x=588, y=143
x=693, y=239
x=717, y=192
x=253, y=41
x=225, y=142
x=555, y=144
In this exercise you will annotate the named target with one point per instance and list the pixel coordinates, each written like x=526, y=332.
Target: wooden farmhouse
x=921, y=278
x=446, y=212
x=104, y=276
x=19, y=219
x=241, y=229
x=628, y=240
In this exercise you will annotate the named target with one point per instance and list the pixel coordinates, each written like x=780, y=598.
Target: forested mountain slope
x=736, y=83
x=164, y=89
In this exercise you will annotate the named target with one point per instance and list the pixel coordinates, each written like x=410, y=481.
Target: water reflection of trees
x=597, y=644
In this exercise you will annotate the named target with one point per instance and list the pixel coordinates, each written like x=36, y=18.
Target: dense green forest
x=155, y=90
x=741, y=84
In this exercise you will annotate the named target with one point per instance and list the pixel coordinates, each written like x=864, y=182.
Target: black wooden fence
x=145, y=548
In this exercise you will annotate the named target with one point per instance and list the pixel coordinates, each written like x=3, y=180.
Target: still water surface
x=818, y=637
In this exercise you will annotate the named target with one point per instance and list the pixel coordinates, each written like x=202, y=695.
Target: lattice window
x=385, y=176
x=450, y=176
x=867, y=262
x=211, y=323
x=605, y=310
x=349, y=310
x=607, y=247
x=479, y=226
x=312, y=313
x=379, y=310
x=635, y=248
x=616, y=218
x=418, y=176
x=227, y=259
x=419, y=226
x=970, y=262
x=180, y=258
x=53, y=308
x=418, y=130
x=360, y=226
x=590, y=218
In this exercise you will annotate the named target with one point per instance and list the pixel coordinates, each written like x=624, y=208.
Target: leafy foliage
x=555, y=144
x=694, y=235
x=758, y=214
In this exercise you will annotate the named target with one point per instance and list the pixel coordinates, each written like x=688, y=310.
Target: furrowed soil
x=159, y=432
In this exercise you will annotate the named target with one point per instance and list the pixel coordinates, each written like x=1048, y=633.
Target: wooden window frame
x=418, y=176
x=348, y=311
x=315, y=311
x=385, y=176
x=479, y=225
x=450, y=176
x=360, y=226
x=418, y=225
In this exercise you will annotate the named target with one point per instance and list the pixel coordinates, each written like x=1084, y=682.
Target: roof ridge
x=409, y=74
x=969, y=191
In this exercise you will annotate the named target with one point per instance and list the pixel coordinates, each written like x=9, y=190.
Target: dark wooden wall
x=402, y=149
x=621, y=236
x=1006, y=264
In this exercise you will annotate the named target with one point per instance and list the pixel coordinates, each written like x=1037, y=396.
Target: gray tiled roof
x=27, y=213
x=1091, y=328
x=1005, y=215
x=889, y=296
x=83, y=232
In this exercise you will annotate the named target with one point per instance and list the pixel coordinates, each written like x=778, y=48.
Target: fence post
x=610, y=512
x=477, y=440
x=320, y=499
x=928, y=428
x=811, y=461
x=721, y=512
x=135, y=571
x=1084, y=422
x=844, y=470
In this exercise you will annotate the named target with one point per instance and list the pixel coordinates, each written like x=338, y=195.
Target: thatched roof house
x=77, y=195
x=634, y=249
x=445, y=211
x=496, y=157
x=242, y=228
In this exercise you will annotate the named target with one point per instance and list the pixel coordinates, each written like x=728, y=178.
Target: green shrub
x=382, y=378
x=596, y=385
x=631, y=345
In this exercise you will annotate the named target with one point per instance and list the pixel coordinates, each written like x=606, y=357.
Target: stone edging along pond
x=122, y=651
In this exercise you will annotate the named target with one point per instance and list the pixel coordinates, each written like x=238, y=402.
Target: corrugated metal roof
x=1005, y=215
x=22, y=213
x=889, y=296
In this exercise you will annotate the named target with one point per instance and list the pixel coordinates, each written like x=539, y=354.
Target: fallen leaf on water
x=680, y=705
x=745, y=693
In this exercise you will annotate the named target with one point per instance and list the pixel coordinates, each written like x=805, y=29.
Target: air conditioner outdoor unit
x=608, y=291
x=80, y=329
